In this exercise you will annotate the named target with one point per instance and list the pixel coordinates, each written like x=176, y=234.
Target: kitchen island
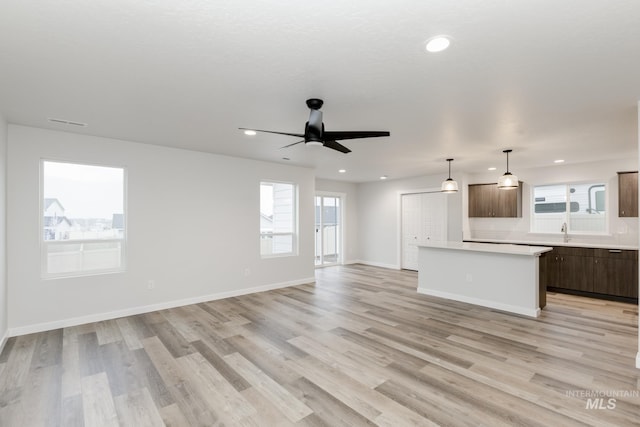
x=503, y=277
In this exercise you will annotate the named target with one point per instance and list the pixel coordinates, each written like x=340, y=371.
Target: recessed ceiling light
x=250, y=132
x=491, y=168
x=438, y=44
x=383, y=177
x=342, y=171
x=558, y=161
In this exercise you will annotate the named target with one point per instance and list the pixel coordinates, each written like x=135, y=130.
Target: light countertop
x=555, y=244
x=508, y=249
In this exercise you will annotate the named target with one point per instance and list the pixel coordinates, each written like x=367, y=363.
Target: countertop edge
x=490, y=248
x=552, y=244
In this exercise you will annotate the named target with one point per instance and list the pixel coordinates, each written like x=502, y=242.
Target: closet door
x=411, y=224
x=424, y=220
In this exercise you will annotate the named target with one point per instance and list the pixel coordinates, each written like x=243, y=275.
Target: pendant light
x=507, y=181
x=449, y=185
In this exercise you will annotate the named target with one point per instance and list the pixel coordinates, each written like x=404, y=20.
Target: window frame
x=295, y=226
x=567, y=212
x=45, y=244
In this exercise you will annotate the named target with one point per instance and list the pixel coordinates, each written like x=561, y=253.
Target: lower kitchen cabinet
x=594, y=272
x=566, y=271
x=617, y=274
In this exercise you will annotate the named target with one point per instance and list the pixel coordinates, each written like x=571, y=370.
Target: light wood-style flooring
x=360, y=347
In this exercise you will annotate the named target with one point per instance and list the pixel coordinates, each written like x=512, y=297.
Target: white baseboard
x=74, y=321
x=638, y=360
x=482, y=302
x=378, y=264
x=3, y=340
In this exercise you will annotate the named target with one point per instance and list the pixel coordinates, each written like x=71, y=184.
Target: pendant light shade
x=507, y=181
x=449, y=185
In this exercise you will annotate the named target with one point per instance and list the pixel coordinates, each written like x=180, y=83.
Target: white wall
x=622, y=231
x=350, y=223
x=192, y=227
x=3, y=236
x=379, y=217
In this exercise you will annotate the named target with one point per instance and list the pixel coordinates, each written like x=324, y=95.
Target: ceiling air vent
x=67, y=122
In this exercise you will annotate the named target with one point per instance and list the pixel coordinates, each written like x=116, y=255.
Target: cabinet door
x=552, y=270
x=481, y=200
x=616, y=276
x=506, y=203
x=628, y=194
x=576, y=272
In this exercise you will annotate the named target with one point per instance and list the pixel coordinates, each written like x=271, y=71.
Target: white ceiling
x=548, y=78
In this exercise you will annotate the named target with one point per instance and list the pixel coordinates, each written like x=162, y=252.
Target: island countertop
x=491, y=247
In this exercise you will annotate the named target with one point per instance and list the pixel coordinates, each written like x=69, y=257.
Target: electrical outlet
x=469, y=277
x=151, y=284
x=247, y=272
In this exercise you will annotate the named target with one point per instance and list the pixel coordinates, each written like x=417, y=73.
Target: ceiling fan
x=314, y=133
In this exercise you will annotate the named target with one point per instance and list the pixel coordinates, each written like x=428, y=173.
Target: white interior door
x=424, y=220
x=411, y=212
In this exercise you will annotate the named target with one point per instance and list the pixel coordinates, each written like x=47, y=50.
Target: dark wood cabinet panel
x=552, y=273
x=567, y=271
x=595, y=272
x=543, y=272
x=576, y=272
x=480, y=196
x=487, y=201
x=627, y=194
x=616, y=276
x=508, y=203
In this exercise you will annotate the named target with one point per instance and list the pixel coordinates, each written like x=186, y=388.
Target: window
x=277, y=219
x=83, y=220
x=582, y=207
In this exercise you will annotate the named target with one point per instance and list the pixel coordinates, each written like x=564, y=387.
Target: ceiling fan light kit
x=508, y=181
x=314, y=133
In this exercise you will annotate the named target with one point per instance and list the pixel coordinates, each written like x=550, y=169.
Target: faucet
x=564, y=230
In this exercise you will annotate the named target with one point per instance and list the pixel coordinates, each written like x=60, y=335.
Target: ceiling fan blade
x=291, y=145
x=335, y=146
x=299, y=135
x=338, y=135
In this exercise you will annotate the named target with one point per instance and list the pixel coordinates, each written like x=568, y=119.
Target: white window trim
x=567, y=185
x=44, y=244
x=295, y=233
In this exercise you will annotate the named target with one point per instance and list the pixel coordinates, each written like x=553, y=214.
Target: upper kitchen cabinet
x=627, y=194
x=487, y=201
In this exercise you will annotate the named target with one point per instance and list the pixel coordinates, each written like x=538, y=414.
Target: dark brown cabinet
x=594, y=272
x=487, y=201
x=616, y=272
x=627, y=194
x=568, y=269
